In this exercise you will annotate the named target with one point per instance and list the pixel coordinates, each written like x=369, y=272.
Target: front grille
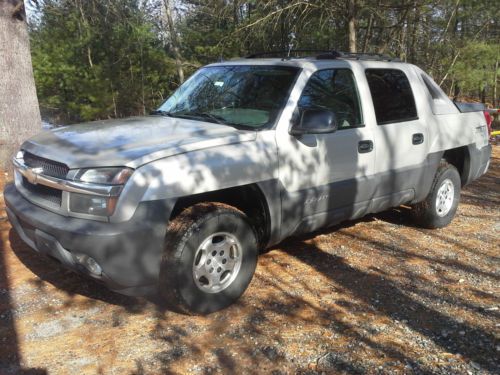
x=50, y=167
x=47, y=195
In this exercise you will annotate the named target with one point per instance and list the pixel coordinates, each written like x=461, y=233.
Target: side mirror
x=315, y=121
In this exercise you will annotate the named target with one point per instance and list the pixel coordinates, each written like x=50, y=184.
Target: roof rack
x=324, y=55
x=285, y=54
x=356, y=56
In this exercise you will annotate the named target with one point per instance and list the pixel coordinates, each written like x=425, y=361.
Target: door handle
x=417, y=138
x=365, y=146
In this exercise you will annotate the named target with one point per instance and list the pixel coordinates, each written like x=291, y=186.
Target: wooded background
x=95, y=59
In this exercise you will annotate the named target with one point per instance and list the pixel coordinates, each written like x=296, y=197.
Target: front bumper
x=128, y=253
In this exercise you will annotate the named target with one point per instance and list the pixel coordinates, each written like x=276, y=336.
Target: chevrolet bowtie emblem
x=32, y=174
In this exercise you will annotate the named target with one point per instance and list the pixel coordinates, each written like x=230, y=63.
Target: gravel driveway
x=372, y=296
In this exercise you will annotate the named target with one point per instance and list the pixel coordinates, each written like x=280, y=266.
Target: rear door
x=400, y=136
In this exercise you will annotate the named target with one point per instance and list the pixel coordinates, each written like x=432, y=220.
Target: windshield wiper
x=202, y=115
x=160, y=112
x=218, y=119
x=240, y=126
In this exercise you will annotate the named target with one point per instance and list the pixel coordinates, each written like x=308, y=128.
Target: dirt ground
x=372, y=296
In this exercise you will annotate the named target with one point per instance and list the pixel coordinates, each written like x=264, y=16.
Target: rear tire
x=440, y=206
x=209, y=258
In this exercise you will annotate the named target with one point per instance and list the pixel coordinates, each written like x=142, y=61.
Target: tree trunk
x=174, y=39
x=414, y=37
x=19, y=111
x=352, y=26
x=368, y=34
x=403, y=54
x=394, y=30
x=236, y=12
x=443, y=35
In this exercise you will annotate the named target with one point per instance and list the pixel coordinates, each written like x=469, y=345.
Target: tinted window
x=392, y=96
x=335, y=90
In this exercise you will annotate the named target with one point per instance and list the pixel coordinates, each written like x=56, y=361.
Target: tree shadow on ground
x=50, y=271
x=360, y=288
x=394, y=301
x=10, y=358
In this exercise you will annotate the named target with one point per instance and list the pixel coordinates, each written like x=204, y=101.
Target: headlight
x=108, y=176
x=98, y=205
x=92, y=205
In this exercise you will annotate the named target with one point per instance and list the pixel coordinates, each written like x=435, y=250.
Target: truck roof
x=324, y=59
x=312, y=63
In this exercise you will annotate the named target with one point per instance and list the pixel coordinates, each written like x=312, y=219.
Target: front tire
x=209, y=258
x=440, y=206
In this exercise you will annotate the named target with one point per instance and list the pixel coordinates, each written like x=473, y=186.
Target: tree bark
x=352, y=26
x=174, y=39
x=19, y=110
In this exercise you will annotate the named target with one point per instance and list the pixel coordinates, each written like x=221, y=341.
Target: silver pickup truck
x=244, y=154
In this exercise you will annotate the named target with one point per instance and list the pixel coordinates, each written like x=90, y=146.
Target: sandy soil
x=372, y=296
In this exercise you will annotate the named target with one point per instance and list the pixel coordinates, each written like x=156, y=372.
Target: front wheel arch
x=249, y=199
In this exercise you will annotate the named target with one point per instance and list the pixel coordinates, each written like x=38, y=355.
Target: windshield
x=241, y=96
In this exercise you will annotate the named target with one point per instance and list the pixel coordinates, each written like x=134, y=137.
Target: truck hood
x=131, y=142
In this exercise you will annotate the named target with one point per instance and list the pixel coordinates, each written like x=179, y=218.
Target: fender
x=200, y=171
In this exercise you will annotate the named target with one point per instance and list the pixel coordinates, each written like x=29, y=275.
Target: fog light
x=93, y=267
x=90, y=264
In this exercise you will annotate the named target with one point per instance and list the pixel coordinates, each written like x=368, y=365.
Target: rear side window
x=392, y=96
x=334, y=90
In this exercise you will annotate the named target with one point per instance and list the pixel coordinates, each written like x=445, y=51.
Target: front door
x=324, y=175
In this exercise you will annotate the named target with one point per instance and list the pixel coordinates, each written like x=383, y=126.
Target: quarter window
x=334, y=90
x=392, y=96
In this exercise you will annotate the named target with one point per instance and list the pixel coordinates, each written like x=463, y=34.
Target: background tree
x=19, y=113
x=96, y=59
x=174, y=38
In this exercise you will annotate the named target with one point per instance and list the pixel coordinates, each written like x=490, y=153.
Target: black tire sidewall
x=194, y=299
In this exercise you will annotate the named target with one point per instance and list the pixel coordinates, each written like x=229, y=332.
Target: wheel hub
x=444, y=198
x=217, y=262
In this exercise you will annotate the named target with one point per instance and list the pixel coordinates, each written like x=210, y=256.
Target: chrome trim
x=36, y=200
x=65, y=185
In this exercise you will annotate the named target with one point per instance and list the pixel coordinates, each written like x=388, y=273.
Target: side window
x=335, y=90
x=392, y=96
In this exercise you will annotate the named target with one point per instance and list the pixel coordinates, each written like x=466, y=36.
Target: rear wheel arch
x=460, y=158
x=438, y=209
